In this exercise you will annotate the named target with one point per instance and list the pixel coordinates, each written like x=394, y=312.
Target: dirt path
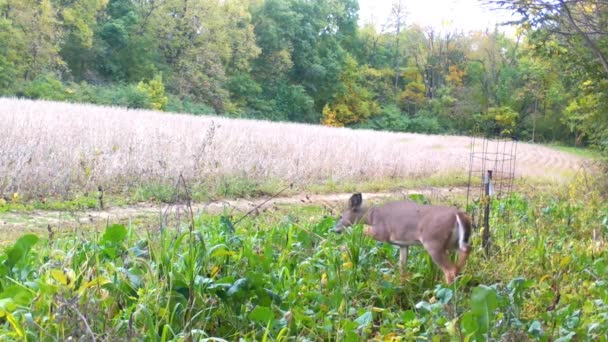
x=14, y=224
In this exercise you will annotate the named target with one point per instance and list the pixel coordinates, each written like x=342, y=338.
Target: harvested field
x=51, y=148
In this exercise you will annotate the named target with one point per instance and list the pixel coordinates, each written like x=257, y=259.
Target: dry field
x=54, y=148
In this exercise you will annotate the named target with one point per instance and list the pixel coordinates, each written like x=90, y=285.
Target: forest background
x=310, y=61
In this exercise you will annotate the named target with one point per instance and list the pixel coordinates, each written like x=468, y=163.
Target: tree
x=575, y=21
x=353, y=103
x=31, y=38
x=398, y=22
x=581, y=27
x=78, y=21
x=198, y=40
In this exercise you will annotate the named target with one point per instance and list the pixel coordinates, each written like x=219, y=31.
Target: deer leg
x=440, y=257
x=403, y=250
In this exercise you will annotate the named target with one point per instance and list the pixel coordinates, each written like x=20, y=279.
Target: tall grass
x=50, y=148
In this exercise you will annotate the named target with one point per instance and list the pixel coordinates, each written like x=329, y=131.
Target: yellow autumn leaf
x=390, y=337
x=565, y=261
x=65, y=277
x=215, y=270
x=99, y=281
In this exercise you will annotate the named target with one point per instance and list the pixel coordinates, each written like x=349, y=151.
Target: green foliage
x=187, y=105
x=500, y=121
x=426, y=122
x=45, y=87
x=390, y=118
x=284, y=275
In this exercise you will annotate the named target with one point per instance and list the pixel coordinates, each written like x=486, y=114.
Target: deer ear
x=355, y=200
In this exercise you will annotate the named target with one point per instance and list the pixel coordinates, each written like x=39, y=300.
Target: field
x=279, y=274
x=58, y=149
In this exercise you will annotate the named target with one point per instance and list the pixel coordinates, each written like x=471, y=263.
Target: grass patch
x=391, y=184
x=77, y=202
x=577, y=151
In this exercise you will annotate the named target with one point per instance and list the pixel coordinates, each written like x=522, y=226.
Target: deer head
x=352, y=214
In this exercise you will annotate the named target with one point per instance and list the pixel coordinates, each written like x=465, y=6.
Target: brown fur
x=406, y=223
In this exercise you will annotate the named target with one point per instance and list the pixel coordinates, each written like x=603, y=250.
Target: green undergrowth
x=446, y=179
x=282, y=275
x=59, y=203
x=582, y=152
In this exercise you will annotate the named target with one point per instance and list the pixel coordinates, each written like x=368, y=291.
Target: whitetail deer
x=438, y=229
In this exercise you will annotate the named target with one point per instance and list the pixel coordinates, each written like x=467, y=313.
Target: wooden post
x=100, y=197
x=486, y=215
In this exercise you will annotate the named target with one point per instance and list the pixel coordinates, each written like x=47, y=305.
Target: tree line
x=309, y=61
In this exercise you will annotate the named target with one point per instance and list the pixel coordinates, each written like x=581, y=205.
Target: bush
x=45, y=87
x=127, y=95
x=8, y=74
x=296, y=104
x=132, y=97
x=389, y=119
x=155, y=91
x=177, y=105
x=426, y=122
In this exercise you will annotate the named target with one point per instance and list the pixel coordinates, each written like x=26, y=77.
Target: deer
x=439, y=229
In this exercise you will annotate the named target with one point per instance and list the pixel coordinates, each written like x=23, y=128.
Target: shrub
x=46, y=87
x=389, y=119
x=155, y=91
x=426, y=122
x=186, y=105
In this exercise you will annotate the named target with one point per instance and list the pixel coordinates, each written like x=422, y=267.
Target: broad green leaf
x=7, y=305
x=573, y=320
x=364, y=319
x=484, y=301
x=424, y=305
x=444, y=295
x=115, y=233
x=18, y=294
x=238, y=287
x=20, y=249
x=408, y=316
x=566, y=338
x=535, y=329
x=469, y=323
x=261, y=314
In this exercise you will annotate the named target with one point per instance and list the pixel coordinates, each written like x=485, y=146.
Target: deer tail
x=464, y=231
